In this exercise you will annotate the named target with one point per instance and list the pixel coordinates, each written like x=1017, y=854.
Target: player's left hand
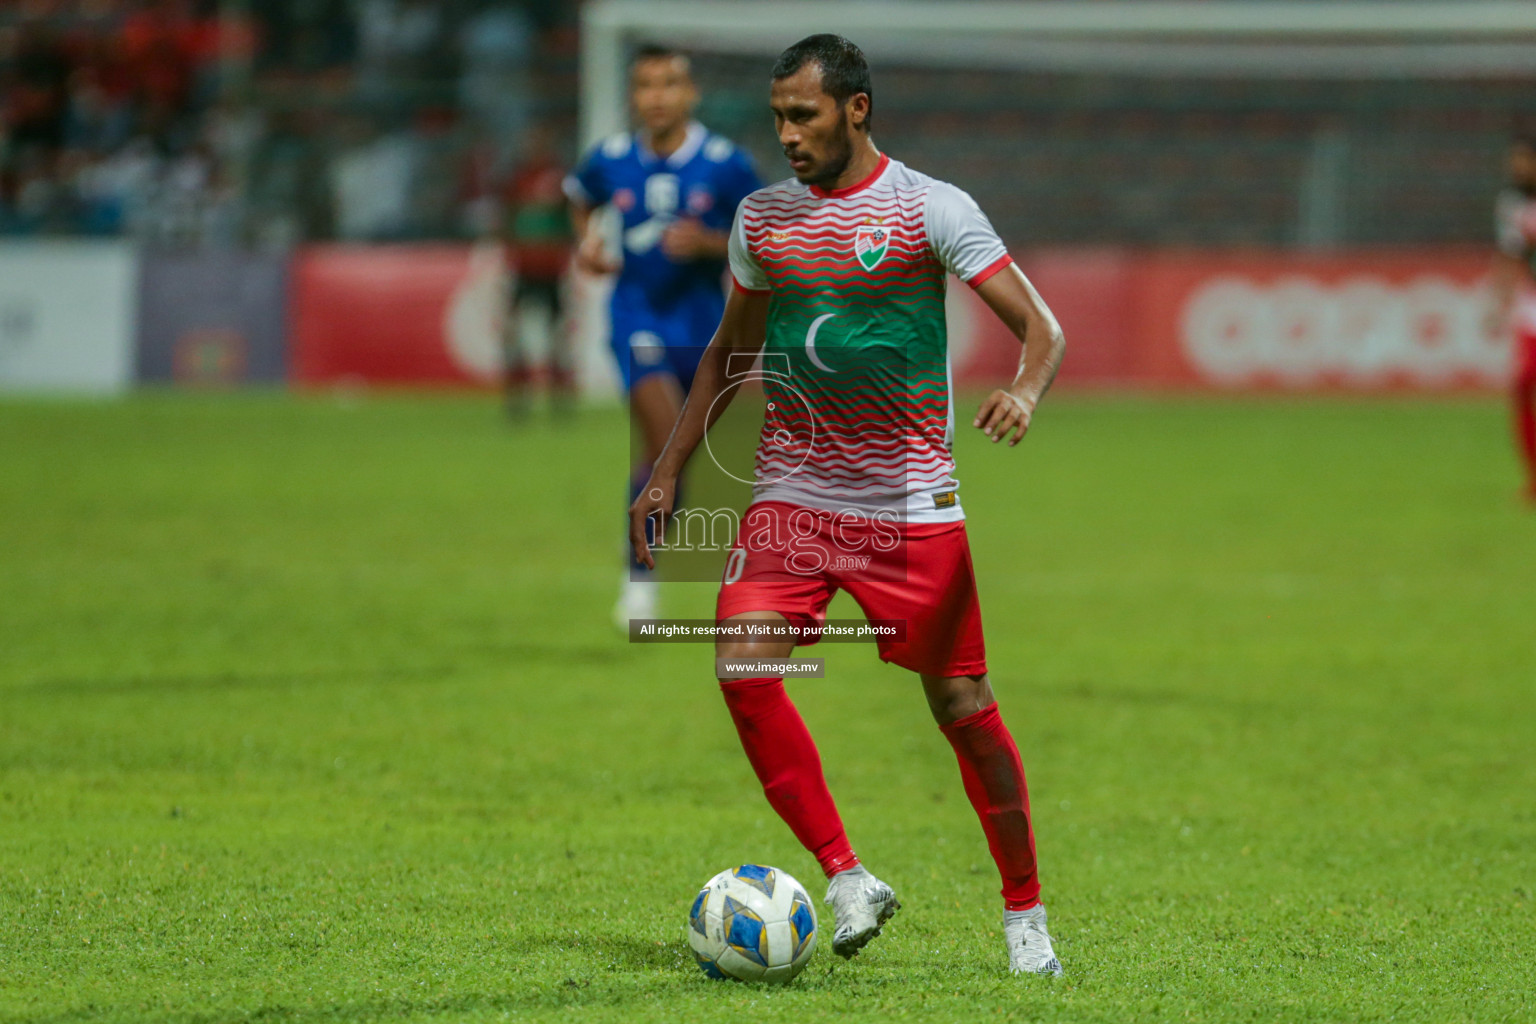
x=1003, y=413
x=686, y=239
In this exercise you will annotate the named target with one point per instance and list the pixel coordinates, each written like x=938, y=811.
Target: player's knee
x=753, y=637
x=748, y=652
x=951, y=698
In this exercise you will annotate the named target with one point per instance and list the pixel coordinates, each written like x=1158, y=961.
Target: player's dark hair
x=656, y=51
x=844, y=71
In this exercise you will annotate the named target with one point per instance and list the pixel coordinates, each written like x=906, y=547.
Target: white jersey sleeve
x=960, y=236
x=1507, y=224
x=744, y=266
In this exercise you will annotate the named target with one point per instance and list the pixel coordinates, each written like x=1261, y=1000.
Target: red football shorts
x=791, y=560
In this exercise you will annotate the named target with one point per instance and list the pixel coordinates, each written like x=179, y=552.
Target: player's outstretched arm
x=1022, y=311
x=742, y=331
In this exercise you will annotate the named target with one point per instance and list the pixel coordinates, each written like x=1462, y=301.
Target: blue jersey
x=704, y=178
x=656, y=300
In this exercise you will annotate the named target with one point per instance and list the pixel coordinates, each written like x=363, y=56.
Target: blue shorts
x=649, y=341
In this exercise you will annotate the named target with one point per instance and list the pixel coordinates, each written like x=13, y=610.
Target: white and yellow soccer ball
x=752, y=923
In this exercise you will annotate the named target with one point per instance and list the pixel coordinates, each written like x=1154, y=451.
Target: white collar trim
x=693, y=141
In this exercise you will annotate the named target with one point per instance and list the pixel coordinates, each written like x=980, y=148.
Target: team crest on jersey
x=870, y=242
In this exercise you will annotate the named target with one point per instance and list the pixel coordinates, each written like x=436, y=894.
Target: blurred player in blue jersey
x=676, y=186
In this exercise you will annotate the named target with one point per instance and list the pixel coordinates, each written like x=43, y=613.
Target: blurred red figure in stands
x=1514, y=292
x=538, y=232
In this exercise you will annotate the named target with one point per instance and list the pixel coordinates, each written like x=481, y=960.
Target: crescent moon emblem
x=810, y=342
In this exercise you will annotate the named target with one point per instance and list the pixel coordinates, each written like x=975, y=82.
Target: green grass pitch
x=310, y=710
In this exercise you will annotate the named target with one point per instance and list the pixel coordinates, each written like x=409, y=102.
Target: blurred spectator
x=305, y=35
x=441, y=150
x=400, y=41
x=115, y=190
x=161, y=45
x=288, y=195
x=496, y=86
x=371, y=182
x=36, y=84
x=96, y=120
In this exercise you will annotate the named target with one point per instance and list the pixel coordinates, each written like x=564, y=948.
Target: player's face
x=663, y=93
x=1522, y=167
x=813, y=128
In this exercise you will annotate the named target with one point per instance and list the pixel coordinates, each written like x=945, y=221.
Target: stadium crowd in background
x=190, y=122
x=179, y=120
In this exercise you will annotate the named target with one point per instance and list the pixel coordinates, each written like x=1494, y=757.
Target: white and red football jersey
x=856, y=366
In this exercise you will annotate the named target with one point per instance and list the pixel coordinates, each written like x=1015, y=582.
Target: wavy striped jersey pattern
x=859, y=414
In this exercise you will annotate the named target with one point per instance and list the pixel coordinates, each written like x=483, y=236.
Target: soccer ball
x=752, y=923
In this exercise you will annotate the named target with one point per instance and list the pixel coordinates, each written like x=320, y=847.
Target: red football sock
x=787, y=764
x=1525, y=424
x=994, y=780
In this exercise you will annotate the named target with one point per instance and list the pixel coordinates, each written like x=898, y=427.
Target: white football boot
x=1029, y=944
x=637, y=600
x=862, y=903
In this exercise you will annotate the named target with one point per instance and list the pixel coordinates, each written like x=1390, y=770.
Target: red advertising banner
x=1384, y=320
x=1360, y=321
x=399, y=314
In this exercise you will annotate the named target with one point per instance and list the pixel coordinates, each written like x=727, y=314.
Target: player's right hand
x=1003, y=413
x=685, y=240
x=655, y=500
x=592, y=256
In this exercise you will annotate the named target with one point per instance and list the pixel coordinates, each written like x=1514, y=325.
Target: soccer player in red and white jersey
x=840, y=276
x=1514, y=292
